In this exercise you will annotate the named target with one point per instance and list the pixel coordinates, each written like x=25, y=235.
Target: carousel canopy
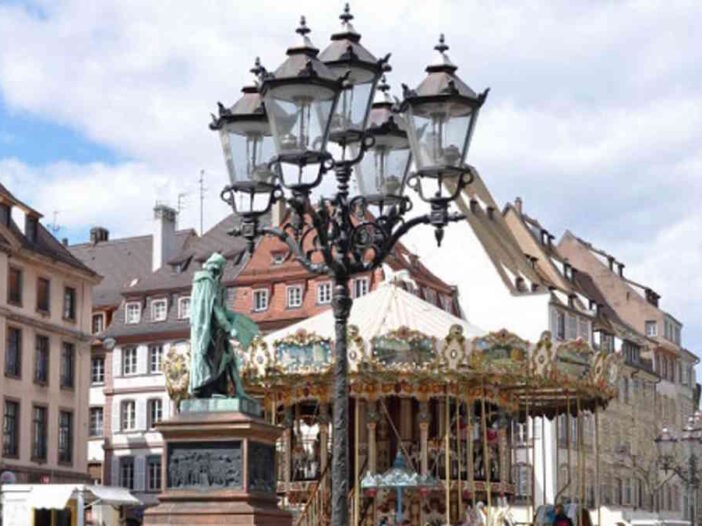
x=385, y=310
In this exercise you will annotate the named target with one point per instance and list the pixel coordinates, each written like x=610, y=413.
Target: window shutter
x=139, y=473
x=554, y=322
x=141, y=414
x=116, y=412
x=117, y=362
x=114, y=472
x=142, y=359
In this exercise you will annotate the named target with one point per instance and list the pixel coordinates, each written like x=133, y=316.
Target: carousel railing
x=316, y=510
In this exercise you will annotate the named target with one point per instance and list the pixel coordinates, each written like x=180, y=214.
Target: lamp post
x=690, y=442
x=319, y=103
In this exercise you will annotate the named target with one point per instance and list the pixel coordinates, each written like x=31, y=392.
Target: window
x=13, y=352
x=584, y=329
x=360, y=287
x=184, y=307
x=324, y=292
x=294, y=297
x=278, y=258
x=128, y=415
x=447, y=303
x=126, y=472
x=429, y=295
x=153, y=473
x=14, y=286
x=155, y=411
x=65, y=443
x=132, y=312
x=129, y=361
x=68, y=364
x=97, y=370
x=651, y=328
x=10, y=429
x=159, y=309
x=155, y=358
x=260, y=300
x=560, y=325
x=98, y=323
x=41, y=359
x=96, y=421
x=572, y=327
x=43, y=295
x=39, y=427
x=69, y=303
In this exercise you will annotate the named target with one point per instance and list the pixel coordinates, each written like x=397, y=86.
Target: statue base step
x=218, y=468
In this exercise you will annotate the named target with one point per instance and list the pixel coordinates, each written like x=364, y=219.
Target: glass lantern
x=381, y=173
x=441, y=113
x=665, y=443
x=247, y=144
x=345, y=56
x=300, y=97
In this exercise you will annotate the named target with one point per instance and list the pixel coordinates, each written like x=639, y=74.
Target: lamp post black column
x=309, y=101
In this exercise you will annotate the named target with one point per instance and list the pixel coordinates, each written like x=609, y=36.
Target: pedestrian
x=561, y=519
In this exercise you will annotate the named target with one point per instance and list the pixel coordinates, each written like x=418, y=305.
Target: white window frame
x=264, y=294
x=127, y=416
x=133, y=353
x=324, y=292
x=156, y=349
x=158, y=302
x=132, y=320
x=100, y=369
x=101, y=317
x=651, y=324
x=293, y=296
x=184, y=300
x=356, y=284
x=96, y=410
x=151, y=404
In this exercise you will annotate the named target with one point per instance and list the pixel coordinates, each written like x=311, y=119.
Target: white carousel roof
x=381, y=311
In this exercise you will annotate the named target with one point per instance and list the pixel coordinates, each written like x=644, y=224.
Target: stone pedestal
x=218, y=467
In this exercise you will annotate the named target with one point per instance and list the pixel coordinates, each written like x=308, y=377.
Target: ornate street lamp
x=665, y=444
x=248, y=148
x=308, y=101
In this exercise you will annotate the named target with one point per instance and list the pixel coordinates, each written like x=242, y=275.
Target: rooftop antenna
x=181, y=203
x=201, y=181
x=54, y=226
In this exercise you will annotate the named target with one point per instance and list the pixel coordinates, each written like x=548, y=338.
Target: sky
x=594, y=116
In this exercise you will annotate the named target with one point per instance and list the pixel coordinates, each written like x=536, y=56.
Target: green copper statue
x=212, y=359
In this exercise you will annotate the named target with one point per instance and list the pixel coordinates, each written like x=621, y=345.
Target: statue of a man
x=212, y=359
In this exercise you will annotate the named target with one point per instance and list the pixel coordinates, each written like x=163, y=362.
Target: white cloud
x=594, y=117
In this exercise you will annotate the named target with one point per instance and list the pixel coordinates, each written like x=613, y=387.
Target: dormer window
x=184, y=307
x=5, y=214
x=31, y=227
x=568, y=271
x=159, y=309
x=132, y=313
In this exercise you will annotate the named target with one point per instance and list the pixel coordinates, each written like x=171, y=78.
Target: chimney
x=64, y=241
x=473, y=205
x=99, y=234
x=164, y=239
x=518, y=205
x=610, y=260
x=621, y=269
x=490, y=212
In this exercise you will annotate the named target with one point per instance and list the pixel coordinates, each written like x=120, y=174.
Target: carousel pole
x=447, y=448
x=568, y=440
x=543, y=458
x=558, y=454
x=470, y=466
x=580, y=467
x=357, y=467
x=533, y=460
x=597, y=467
x=458, y=458
x=486, y=454
x=533, y=467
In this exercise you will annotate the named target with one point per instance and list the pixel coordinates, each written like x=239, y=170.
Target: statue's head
x=215, y=264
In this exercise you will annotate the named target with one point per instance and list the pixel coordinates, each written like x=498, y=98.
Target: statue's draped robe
x=211, y=325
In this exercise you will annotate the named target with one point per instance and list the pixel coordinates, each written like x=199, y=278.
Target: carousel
x=433, y=400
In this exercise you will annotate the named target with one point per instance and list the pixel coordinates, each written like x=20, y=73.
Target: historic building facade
x=144, y=308
x=45, y=309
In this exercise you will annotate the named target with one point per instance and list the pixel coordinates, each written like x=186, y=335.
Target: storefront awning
x=56, y=496
x=50, y=496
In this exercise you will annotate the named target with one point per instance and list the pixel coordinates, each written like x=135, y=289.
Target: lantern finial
x=441, y=47
x=303, y=29
x=346, y=16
